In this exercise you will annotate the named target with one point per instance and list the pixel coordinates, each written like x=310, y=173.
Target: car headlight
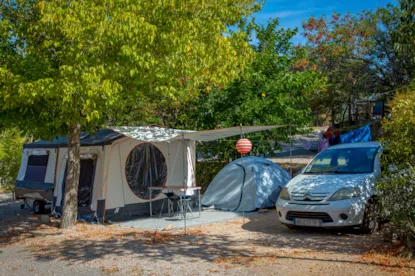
x=284, y=194
x=345, y=193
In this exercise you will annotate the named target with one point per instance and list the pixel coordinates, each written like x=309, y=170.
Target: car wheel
x=38, y=207
x=370, y=217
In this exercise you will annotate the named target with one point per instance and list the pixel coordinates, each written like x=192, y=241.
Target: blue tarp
x=362, y=134
x=246, y=184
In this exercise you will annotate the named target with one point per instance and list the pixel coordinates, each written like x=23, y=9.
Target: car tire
x=370, y=217
x=39, y=207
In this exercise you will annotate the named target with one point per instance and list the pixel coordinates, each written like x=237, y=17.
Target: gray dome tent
x=246, y=184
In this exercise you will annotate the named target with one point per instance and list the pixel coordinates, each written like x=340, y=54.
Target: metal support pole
x=291, y=153
x=242, y=164
x=151, y=207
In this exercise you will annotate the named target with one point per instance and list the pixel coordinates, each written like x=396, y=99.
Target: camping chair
x=184, y=205
x=172, y=198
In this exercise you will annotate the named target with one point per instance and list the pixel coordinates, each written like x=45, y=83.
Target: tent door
x=86, y=184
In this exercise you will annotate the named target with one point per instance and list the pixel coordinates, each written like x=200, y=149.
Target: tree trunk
x=70, y=204
x=350, y=111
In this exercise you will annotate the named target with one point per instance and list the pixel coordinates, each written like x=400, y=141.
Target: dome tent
x=246, y=184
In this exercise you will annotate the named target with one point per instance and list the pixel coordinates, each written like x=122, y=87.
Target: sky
x=292, y=13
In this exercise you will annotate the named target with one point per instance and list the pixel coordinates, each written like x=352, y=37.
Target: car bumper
x=353, y=208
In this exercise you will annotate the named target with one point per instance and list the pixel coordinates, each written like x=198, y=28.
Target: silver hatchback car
x=336, y=189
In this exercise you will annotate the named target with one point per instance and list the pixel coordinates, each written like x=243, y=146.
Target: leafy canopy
x=84, y=61
x=274, y=90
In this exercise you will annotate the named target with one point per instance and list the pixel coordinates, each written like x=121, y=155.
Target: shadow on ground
x=261, y=231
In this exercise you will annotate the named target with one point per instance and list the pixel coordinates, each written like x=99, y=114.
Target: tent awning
x=216, y=134
x=157, y=134
x=150, y=134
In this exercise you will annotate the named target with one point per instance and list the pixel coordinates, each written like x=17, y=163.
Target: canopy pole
x=184, y=185
x=242, y=163
x=291, y=153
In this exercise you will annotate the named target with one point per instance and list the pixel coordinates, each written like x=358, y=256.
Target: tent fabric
x=215, y=134
x=246, y=184
x=156, y=134
x=362, y=134
x=102, y=137
x=150, y=134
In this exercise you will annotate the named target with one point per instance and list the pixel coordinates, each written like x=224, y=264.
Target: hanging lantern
x=243, y=146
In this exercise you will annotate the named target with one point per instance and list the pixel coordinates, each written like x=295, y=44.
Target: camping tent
x=118, y=165
x=246, y=184
x=116, y=169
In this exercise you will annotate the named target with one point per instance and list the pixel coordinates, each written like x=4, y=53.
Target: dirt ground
x=256, y=246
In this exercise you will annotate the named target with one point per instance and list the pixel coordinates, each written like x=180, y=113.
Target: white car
x=336, y=189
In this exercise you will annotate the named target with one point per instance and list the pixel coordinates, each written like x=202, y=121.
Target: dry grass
x=226, y=245
x=36, y=236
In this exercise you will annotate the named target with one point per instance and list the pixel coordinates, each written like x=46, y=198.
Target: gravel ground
x=255, y=246
x=5, y=197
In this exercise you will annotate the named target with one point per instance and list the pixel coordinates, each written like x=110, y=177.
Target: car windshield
x=343, y=160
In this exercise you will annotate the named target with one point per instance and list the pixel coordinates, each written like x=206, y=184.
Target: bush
x=11, y=145
x=397, y=189
x=397, y=194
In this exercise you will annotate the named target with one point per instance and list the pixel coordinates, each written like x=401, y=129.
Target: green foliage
x=399, y=131
x=397, y=189
x=356, y=53
x=11, y=146
x=67, y=65
x=397, y=193
x=338, y=46
x=273, y=91
x=404, y=36
x=86, y=61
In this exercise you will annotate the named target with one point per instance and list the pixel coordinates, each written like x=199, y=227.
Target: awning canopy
x=216, y=134
x=150, y=134
x=157, y=134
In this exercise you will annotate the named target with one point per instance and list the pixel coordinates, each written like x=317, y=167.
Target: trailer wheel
x=39, y=207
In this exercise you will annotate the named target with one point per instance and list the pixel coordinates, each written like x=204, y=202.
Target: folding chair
x=184, y=205
x=172, y=198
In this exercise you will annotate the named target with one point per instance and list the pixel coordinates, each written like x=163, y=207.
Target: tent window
x=36, y=168
x=145, y=167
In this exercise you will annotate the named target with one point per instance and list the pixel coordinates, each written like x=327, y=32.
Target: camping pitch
x=118, y=166
x=246, y=184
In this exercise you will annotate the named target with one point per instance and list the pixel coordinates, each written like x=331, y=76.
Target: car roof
x=356, y=145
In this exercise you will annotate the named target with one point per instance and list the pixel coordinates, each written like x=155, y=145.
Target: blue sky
x=292, y=13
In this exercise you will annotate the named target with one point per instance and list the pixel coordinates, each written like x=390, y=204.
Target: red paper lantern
x=243, y=146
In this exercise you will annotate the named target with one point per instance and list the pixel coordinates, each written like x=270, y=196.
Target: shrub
x=11, y=145
x=397, y=194
x=397, y=189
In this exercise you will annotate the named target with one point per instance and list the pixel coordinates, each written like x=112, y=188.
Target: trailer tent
x=117, y=167
x=246, y=184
